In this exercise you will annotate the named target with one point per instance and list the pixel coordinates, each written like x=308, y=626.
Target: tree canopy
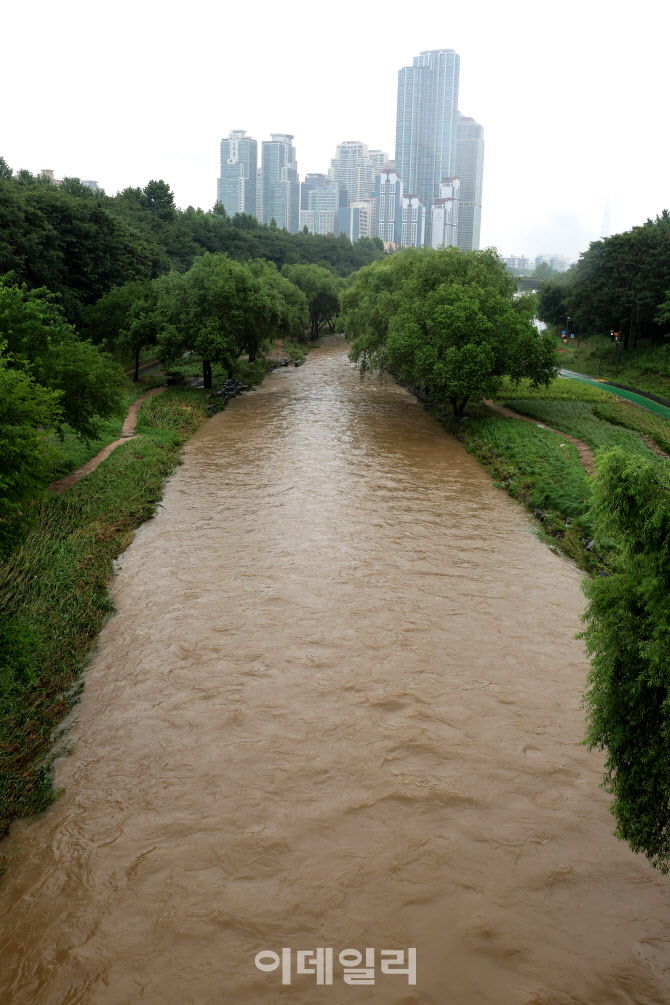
x=618, y=284
x=80, y=244
x=26, y=408
x=446, y=321
x=628, y=639
x=221, y=308
x=38, y=340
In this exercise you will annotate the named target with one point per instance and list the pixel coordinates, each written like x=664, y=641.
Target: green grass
x=648, y=370
x=68, y=454
x=296, y=350
x=577, y=418
x=53, y=592
x=651, y=426
x=532, y=466
x=561, y=389
x=532, y=463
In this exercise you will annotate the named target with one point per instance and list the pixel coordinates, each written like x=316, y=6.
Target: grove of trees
x=81, y=244
x=622, y=283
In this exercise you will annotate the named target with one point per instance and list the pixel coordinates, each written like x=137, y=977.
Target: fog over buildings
x=127, y=95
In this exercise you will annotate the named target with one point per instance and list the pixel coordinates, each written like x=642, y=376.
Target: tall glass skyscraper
x=236, y=188
x=470, y=170
x=425, y=145
x=280, y=183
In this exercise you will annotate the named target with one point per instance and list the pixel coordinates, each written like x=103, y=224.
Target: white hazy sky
x=573, y=96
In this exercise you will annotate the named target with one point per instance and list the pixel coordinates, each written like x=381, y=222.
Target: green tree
x=141, y=328
x=40, y=341
x=552, y=299
x=74, y=186
x=447, y=322
x=289, y=314
x=628, y=640
x=104, y=320
x=25, y=408
x=158, y=198
x=5, y=170
x=544, y=271
x=321, y=289
x=203, y=312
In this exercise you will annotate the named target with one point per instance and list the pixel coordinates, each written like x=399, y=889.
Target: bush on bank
x=628, y=639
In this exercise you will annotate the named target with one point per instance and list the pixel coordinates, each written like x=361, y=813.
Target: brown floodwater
x=338, y=707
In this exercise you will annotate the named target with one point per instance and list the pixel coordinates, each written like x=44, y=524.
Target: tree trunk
x=626, y=338
x=206, y=373
x=454, y=405
x=137, y=365
x=461, y=407
x=252, y=355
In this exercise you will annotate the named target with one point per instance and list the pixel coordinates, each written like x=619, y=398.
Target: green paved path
x=638, y=398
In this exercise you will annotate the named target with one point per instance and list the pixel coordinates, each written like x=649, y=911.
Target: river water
x=338, y=707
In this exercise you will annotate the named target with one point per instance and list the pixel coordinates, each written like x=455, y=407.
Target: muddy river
x=338, y=709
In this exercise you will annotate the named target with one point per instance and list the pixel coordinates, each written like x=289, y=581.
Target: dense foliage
x=39, y=340
x=221, y=308
x=628, y=639
x=622, y=283
x=80, y=244
x=446, y=321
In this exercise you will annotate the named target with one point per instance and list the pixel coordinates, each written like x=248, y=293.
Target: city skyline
x=552, y=101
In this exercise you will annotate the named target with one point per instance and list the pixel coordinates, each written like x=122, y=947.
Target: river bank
x=54, y=587
x=541, y=446
x=54, y=592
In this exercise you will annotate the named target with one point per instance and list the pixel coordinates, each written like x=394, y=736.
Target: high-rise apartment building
x=425, y=148
x=444, y=215
x=388, y=193
x=380, y=159
x=280, y=183
x=355, y=221
x=353, y=167
x=413, y=222
x=236, y=187
x=320, y=205
x=259, y=194
x=470, y=170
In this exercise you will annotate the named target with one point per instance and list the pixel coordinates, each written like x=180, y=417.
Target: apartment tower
x=470, y=171
x=236, y=187
x=426, y=122
x=280, y=183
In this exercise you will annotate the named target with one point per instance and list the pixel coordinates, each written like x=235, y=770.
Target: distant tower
x=353, y=167
x=280, y=182
x=236, y=187
x=425, y=145
x=470, y=171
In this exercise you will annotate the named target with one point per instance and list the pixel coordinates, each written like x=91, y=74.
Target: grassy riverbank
x=542, y=470
x=54, y=598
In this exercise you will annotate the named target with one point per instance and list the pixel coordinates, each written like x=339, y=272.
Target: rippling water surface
x=338, y=707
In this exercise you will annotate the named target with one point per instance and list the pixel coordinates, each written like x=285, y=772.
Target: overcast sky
x=573, y=96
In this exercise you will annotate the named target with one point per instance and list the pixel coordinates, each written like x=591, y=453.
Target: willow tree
x=628, y=639
x=203, y=311
x=446, y=321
